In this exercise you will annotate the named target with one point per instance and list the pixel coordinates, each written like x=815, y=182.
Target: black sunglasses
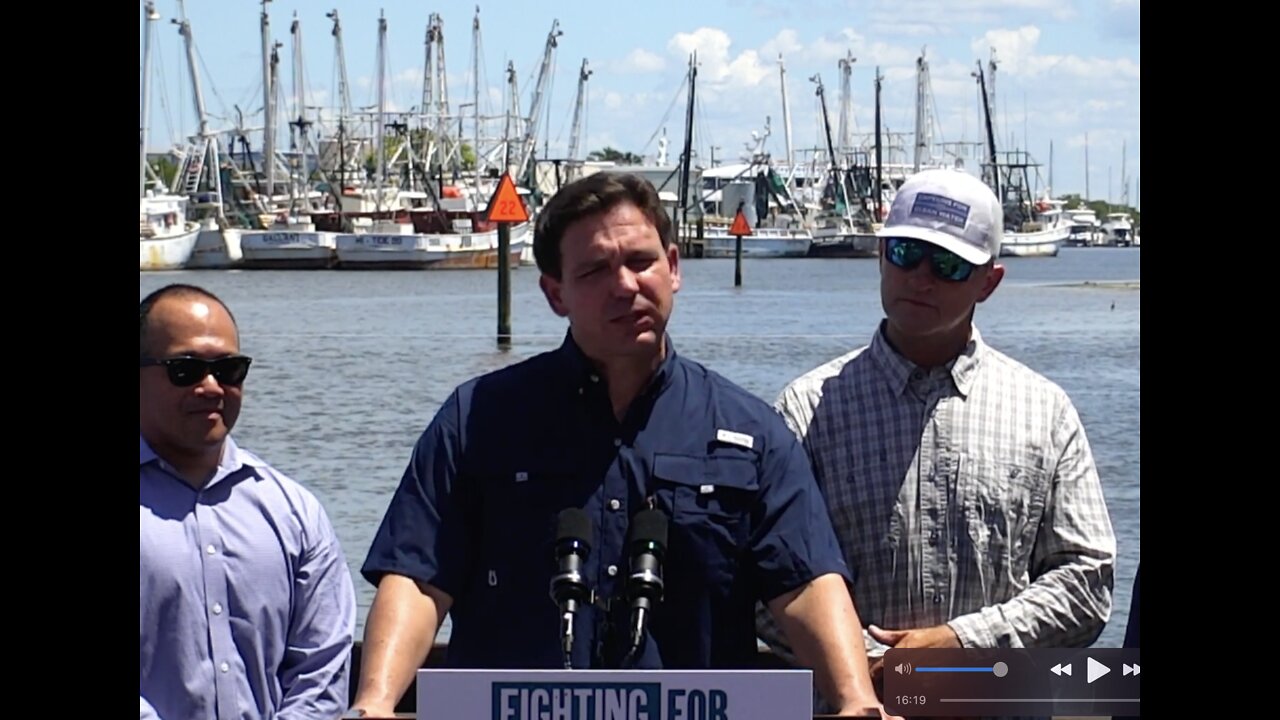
x=186, y=371
x=907, y=253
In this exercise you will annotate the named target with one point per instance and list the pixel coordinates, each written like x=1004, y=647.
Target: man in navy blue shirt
x=613, y=422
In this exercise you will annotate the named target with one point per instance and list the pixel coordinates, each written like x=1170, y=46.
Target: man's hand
x=938, y=636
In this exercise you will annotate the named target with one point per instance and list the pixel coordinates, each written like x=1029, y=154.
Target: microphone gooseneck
x=647, y=546
x=569, y=587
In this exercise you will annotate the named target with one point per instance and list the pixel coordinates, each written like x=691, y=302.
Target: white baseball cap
x=951, y=209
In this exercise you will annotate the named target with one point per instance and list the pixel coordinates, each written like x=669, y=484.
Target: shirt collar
x=963, y=369
x=580, y=369
x=233, y=458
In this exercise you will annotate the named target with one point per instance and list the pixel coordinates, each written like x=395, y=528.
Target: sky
x=1068, y=71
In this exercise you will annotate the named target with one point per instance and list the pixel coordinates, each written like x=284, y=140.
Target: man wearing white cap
x=960, y=482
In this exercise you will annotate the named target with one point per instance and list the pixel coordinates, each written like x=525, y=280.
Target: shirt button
x=933, y=538
x=211, y=549
x=580, y=391
x=595, y=378
x=617, y=442
x=217, y=608
x=937, y=599
x=612, y=570
x=224, y=667
x=614, y=504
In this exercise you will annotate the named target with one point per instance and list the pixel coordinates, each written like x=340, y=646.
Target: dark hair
x=173, y=290
x=593, y=195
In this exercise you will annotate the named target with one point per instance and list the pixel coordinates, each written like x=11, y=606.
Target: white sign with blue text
x=615, y=694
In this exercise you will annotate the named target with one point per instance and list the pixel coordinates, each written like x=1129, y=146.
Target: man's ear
x=551, y=290
x=673, y=258
x=991, y=281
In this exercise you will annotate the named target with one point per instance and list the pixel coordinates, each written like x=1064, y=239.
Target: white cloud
x=1015, y=49
x=909, y=28
x=786, y=42
x=944, y=14
x=642, y=61
x=613, y=100
x=715, y=64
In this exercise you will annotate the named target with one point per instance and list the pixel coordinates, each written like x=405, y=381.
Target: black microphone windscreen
x=573, y=524
x=649, y=526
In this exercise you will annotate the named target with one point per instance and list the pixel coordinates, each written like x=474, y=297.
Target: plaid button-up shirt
x=966, y=494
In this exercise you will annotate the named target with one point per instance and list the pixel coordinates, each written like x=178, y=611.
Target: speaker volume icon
x=903, y=668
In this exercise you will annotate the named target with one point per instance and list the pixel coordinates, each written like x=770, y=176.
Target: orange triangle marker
x=740, y=226
x=506, y=205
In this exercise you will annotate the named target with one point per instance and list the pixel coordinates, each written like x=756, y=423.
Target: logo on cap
x=942, y=209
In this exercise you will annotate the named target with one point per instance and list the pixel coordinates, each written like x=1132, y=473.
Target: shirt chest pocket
x=709, y=498
x=1004, y=503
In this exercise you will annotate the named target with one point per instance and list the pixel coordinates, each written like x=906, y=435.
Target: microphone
x=647, y=540
x=568, y=587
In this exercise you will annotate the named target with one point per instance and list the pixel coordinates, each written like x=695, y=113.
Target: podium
x=447, y=694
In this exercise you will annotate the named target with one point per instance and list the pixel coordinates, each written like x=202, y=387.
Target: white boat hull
x=428, y=251
x=1044, y=243
x=287, y=249
x=168, y=252
x=216, y=249
x=763, y=243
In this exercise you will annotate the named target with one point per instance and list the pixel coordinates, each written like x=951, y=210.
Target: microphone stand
x=566, y=639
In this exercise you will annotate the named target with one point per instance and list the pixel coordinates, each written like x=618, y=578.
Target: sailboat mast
x=268, y=114
x=300, y=102
x=382, y=107
x=475, y=92
x=879, y=163
x=1050, y=166
x=846, y=103
x=202, y=117
x=184, y=29
x=575, y=133
x=150, y=15
x=1124, y=177
x=786, y=117
x=924, y=126
x=991, y=137
x=682, y=203
x=831, y=150
x=340, y=55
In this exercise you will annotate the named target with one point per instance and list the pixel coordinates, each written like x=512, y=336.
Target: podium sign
x=615, y=694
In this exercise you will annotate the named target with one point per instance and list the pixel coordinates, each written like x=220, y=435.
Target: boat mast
x=576, y=128
x=149, y=15
x=382, y=108
x=268, y=114
x=687, y=155
x=475, y=93
x=300, y=123
x=838, y=176
x=879, y=164
x=846, y=104
x=924, y=126
x=786, y=120
x=207, y=143
x=992, y=163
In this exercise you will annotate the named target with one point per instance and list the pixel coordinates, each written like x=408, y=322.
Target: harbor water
x=350, y=367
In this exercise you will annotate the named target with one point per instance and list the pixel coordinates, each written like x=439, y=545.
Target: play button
x=1096, y=670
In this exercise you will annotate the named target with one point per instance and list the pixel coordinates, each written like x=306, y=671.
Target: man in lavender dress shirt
x=246, y=607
